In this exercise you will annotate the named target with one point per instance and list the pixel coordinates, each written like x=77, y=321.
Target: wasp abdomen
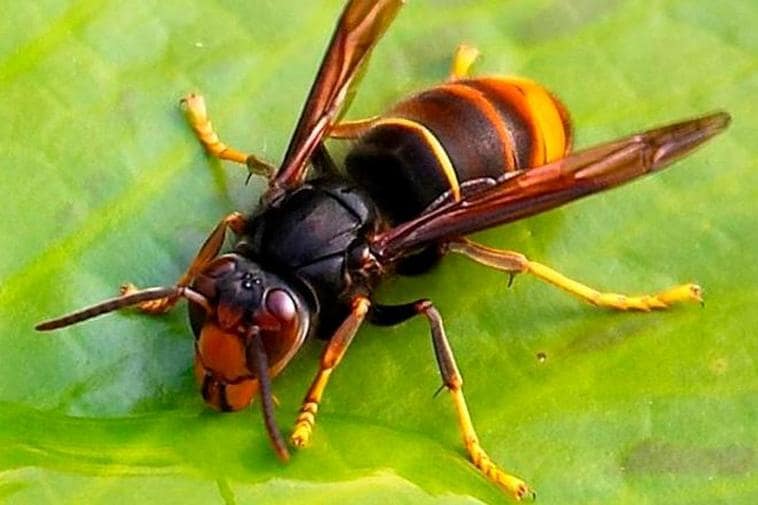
x=443, y=137
x=538, y=124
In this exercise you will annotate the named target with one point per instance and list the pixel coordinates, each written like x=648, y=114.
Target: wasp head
x=248, y=324
x=245, y=302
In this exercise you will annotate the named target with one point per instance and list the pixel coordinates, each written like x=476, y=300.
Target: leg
x=352, y=129
x=463, y=58
x=197, y=115
x=453, y=381
x=515, y=263
x=208, y=251
x=330, y=358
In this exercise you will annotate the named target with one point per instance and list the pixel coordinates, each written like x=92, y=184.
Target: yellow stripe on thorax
x=546, y=117
x=434, y=145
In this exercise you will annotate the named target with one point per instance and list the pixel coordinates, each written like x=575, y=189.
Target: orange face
x=222, y=371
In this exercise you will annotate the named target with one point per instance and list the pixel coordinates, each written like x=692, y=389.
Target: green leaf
x=103, y=182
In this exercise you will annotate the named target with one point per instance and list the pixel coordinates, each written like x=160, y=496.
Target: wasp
x=459, y=157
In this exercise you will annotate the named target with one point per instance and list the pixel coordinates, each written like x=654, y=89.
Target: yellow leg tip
x=684, y=293
x=645, y=303
x=463, y=58
x=678, y=294
x=197, y=116
x=194, y=107
x=516, y=487
x=301, y=437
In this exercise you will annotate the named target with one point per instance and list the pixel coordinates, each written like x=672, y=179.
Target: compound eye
x=284, y=326
x=281, y=305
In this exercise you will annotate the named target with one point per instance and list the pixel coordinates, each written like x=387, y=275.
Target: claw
x=511, y=278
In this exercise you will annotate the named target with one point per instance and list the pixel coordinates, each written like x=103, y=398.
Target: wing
x=546, y=187
x=359, y=28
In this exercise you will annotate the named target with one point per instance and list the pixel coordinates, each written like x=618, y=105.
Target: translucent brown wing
x=546, y=187
x=360, y=26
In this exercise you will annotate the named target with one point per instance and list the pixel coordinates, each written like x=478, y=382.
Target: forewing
x=543, y=188
x=360, y=26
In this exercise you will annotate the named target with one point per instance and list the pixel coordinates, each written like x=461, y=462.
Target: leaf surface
x=103, y=183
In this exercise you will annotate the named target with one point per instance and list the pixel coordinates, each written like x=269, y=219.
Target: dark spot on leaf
x=610, y=335
x=651, y=456
x=719, y=366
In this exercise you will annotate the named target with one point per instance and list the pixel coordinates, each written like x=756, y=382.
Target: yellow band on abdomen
x=546, y=117
x=434, y=144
